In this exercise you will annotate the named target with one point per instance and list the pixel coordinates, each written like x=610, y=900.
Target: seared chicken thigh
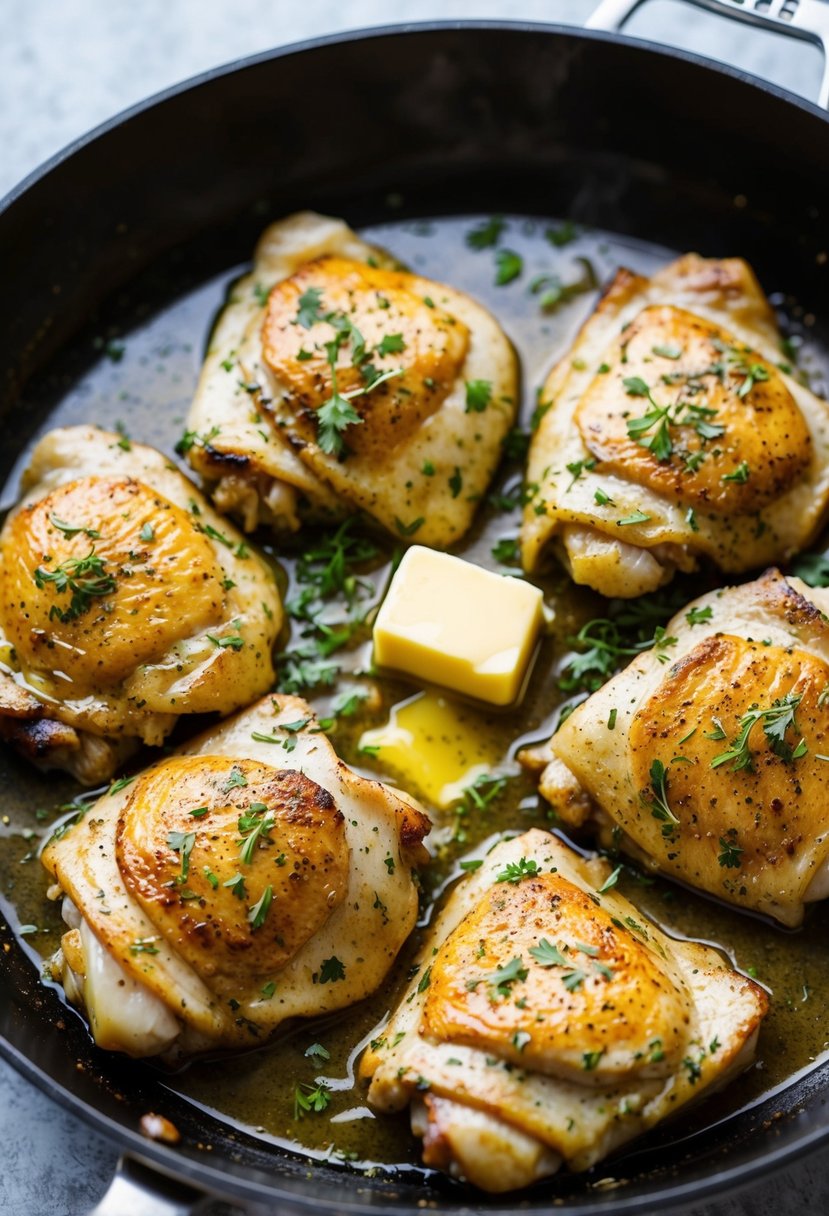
x=337, y=382
x=549, y=1021
x=671, y=432
x=707, y=758
x=249, y=878
x=125, y=602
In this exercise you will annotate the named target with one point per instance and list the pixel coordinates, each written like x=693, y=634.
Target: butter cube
x=448, y=622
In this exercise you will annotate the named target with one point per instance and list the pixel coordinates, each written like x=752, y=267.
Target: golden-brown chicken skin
x=550, y=1021
x=336, y=381
x=714, y=770
x=671, y=432
x=250, y=878
x=299, y=852
x=125, y=601
x=598, y=992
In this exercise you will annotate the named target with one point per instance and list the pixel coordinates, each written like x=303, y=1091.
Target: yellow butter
x=435, y=747
x=449, y=622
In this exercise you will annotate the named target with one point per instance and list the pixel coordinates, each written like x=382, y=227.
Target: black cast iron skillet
x=531, y=119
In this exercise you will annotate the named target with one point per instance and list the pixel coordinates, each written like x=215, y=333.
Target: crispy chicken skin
x=715, y=769
x=323, y=314
x=125, y=601
x=549, y=1021
x=671, y=433
x=234, y=885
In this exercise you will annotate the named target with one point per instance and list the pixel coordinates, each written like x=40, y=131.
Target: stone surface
x=64, y=68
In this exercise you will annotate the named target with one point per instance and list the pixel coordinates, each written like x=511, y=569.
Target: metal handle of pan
x=141, y=1191
x=807, y=20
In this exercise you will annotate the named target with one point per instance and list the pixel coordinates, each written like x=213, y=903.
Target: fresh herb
x=548, y=955
x=236, y=884
x=636, y=517
x=409, y=529
x=577, y=467
x=478, y=396
x=605, y=643
x=699, y=616
x=85, y=577
x=390, y=344
x=310, y=307
x=144, y=945
x=73, y=529
x=658, y=799
x=515, y=871
x=754, y=373
x=230, y=641
x=192, y=439
x=182, y=843
x=258, y=913
x=311, y=1099
x=254, y=826
x=731, y=856
x=147, y=532
x=610, y=883
x=331, y=970
x=776, y=720
x=663, y=417
x=502, y=979
x=667, y=350
x=590, y=1060
x=559, y=237
x=553, y=293
x=506, y=550
x=486, y=234
x=813, y=568
x=509, y=266
x=740, y=475
x=316, y=1052
x=120, y=784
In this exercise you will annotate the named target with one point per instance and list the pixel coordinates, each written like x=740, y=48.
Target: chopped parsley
x=73, y=529
x=515, y=871
x=776, y=720
x=478, y=396
x=487, y=234
x=331, y=970
x=85, y=577
x=509, y=266
x=731, y=856
x=258, y=913
x=311, y=1099
x=182, y=843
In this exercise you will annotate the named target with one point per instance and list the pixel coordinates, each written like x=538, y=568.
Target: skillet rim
x=204, y=1174
x=400, y=29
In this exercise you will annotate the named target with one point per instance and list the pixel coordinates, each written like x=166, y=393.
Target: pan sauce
x=146, y=380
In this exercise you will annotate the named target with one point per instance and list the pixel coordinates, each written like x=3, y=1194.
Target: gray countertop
x=67, y=65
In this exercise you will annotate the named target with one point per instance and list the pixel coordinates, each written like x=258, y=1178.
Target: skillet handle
x=138, y=1190
x=807, y=20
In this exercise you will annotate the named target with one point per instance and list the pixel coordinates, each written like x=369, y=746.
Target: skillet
x=533, y=120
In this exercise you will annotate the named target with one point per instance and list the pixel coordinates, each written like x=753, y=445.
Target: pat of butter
x=449, y=622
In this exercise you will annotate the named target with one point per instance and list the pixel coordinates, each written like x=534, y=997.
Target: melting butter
x=435, y=747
